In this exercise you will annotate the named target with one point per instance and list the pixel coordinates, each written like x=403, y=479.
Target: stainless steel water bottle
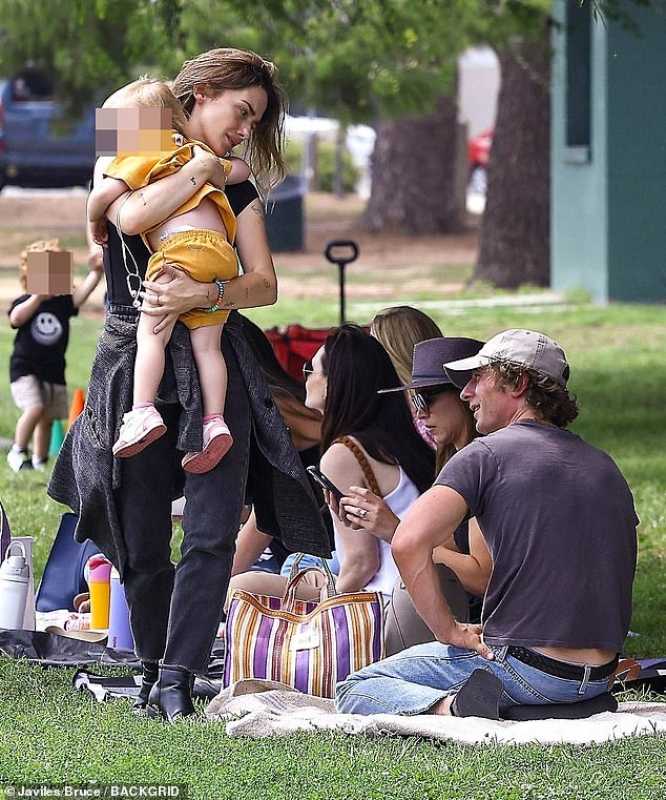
x=13, y=587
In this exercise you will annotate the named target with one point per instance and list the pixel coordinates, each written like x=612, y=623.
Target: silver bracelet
x=220, y=294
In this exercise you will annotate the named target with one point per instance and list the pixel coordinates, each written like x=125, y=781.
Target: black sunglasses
x=422, y=399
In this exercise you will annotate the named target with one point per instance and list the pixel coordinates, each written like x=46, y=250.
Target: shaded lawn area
x=618, y=374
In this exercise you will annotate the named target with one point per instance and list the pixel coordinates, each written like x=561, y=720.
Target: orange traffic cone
x=78, y=402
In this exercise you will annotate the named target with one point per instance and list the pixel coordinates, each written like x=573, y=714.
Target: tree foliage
x=89, y=46
x=357, y=60
x=354, y=60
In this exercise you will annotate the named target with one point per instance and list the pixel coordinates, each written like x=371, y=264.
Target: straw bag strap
x=368, y=474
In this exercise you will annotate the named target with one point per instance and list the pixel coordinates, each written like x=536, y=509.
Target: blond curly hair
x=40, y=246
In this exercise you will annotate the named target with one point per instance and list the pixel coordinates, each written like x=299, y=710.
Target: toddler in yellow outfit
x=198, y=238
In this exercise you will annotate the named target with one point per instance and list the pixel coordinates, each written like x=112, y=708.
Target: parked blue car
x=34, y=149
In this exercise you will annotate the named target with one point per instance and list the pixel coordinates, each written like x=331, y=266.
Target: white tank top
x=399, y=500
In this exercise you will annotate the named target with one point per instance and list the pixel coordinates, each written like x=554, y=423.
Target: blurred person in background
x=37, y=362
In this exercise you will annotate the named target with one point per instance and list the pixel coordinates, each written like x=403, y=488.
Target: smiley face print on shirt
x=46, y=328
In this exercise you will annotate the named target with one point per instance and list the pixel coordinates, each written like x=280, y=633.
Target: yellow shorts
x=205, y=256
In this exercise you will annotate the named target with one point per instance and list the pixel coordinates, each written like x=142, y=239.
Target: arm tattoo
x=194, y=180
x=145, y=202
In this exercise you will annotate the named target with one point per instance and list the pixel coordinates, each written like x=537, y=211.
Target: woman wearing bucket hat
x=399, y=329
x=465, y=570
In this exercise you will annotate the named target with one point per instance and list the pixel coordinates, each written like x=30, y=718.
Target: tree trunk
x=515, y=231
x=413, y=174
x=338, y=182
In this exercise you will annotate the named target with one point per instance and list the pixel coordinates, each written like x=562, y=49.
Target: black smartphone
x=325, y=482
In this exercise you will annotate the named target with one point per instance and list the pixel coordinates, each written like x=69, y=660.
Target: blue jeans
x=413, y=681
x=309, y=561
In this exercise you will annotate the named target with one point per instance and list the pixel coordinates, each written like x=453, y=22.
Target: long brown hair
x=398, y=329
x=356, y=366
x=447, y=451
x=229, y=68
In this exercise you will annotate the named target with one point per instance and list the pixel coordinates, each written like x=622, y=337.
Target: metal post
x=342, y=259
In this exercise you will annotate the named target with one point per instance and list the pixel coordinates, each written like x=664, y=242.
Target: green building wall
x=608, y=199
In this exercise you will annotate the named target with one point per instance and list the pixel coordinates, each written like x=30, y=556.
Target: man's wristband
x=220, y=294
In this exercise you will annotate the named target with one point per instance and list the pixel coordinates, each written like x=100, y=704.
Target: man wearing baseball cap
x=559, y=521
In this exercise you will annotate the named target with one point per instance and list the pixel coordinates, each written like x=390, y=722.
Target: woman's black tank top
x=239, y=195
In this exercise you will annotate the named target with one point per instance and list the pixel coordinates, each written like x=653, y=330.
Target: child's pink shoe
x=140, y=427
x=217, y=440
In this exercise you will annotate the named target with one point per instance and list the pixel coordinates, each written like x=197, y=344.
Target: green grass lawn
x=51, y=733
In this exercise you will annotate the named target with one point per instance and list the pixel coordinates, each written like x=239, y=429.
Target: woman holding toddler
x=227, y=97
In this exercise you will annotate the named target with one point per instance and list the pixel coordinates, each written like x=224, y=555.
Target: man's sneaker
x=18, y=460
x=140, y=427
x=217, y=440
x=39, y=463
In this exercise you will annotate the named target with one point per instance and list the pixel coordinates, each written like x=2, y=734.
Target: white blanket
x=259, y=709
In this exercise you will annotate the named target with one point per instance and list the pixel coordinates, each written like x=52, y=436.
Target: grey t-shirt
x=559, y=521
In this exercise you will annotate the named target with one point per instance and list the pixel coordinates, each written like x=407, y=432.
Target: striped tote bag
x=307, y=645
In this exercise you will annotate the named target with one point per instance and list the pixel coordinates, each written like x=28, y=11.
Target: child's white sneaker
x=217, y=440
x=18, y=459
x=141, y=427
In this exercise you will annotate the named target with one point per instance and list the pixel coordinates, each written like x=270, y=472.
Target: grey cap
x=519, y=347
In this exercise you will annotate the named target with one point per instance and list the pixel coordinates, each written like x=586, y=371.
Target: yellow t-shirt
x=138, y=171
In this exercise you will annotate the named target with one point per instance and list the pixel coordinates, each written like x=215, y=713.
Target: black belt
x=561, y=669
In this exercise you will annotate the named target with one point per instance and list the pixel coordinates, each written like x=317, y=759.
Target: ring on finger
x=362, y=513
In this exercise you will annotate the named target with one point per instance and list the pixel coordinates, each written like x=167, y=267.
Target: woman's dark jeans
x=174, y=613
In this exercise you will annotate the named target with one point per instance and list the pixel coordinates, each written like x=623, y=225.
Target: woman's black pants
x=174, y=612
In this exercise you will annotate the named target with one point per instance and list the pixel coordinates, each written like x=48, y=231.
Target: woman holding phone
x=464, y=566
x=367, y=440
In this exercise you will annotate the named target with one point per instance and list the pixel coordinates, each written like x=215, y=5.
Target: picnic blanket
x=259, y=709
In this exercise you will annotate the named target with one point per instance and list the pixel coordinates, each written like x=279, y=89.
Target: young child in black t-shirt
x=37, y=363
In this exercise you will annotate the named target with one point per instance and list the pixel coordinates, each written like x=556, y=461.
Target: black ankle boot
x=171, y=697
x=149, y=678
